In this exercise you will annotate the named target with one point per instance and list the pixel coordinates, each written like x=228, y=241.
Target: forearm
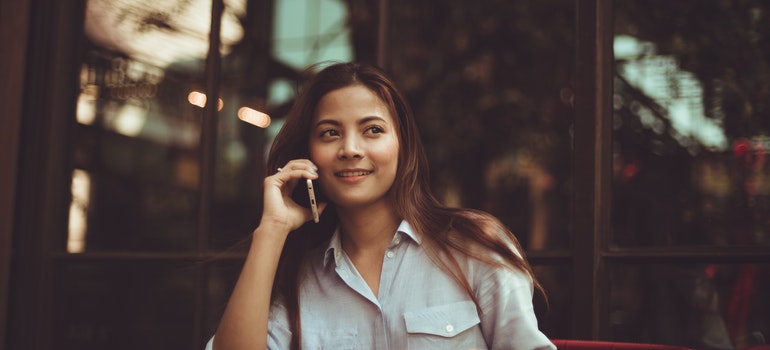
x=244, y=323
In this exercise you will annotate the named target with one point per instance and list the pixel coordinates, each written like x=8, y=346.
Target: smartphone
x=313, y=205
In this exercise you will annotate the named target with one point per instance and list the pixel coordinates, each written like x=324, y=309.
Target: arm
x=244, y=322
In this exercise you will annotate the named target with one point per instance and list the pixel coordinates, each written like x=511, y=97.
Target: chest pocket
x=332, y=339
x=449, y=326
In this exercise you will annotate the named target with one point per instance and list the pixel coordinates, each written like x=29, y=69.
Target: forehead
x=352, y=101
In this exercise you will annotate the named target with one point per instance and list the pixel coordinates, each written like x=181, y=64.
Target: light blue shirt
x=418, y=306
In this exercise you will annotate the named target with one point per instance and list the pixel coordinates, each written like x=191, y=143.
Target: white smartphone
x=313, y=205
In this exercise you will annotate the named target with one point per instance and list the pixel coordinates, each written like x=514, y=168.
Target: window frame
x=13, y=25
x=592, y=167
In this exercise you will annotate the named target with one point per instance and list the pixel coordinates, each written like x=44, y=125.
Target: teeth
x=353, y=173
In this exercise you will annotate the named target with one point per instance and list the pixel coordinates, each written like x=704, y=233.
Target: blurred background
x=130, y=178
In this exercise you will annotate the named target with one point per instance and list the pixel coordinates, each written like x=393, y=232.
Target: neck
x=367, y=229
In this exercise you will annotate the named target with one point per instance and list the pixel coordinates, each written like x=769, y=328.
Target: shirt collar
x=406, y=229
x=334, y=250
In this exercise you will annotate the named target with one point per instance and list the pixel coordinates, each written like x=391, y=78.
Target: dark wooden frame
x=48, y=94
x=13, y=36
x=591, y=166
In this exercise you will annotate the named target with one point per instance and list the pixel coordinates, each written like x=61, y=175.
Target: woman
x=387, y=266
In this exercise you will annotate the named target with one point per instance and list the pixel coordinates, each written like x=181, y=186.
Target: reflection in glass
x=702, y=306
x=306, y=32
x=222, y=278
x=78, y=224
x=490, y=83
x=691, y=133
x=198, y=99
x=553, y=313
x=161, y=32
x=137, y=135
x=123, y=306
x=254, y=117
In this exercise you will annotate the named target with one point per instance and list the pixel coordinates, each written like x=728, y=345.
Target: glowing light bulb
x=254, y=117
x=197, y=98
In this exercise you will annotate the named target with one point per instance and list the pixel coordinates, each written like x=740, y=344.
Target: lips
x=353, y=173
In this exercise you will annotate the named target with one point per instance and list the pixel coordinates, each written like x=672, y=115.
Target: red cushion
x=566, y=344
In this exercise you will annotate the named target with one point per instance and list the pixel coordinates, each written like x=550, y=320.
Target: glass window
x=490, y=83
x=222, y=276
x=553, y=312
x=702, y=306
x=306, y=32
x=136, y=156
x=124, y=305
x=691, y=132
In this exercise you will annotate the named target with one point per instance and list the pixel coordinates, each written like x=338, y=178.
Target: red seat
x=567, y=344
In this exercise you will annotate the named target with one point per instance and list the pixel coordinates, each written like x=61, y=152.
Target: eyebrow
x=361, y=121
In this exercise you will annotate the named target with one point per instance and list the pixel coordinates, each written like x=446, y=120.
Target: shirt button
x=390, y=254
x=450, y=328
x=397, y=240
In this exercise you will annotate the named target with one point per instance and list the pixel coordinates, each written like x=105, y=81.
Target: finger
x=298, y=168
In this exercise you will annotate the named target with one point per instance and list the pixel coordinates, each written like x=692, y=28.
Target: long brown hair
x=444, y=230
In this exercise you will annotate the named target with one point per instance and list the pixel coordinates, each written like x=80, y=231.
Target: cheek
x=318, y=153
x=387, y=153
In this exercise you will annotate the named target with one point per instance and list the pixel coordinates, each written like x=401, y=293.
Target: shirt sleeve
x=507, y=315
x=210, y=344
x=278, y=333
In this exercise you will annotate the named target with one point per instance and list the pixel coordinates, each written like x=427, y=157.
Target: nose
x=350, y=148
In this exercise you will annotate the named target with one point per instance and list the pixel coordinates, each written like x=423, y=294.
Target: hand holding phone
x=313, y=205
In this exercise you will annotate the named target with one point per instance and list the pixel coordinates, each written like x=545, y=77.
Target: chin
x=354, y=202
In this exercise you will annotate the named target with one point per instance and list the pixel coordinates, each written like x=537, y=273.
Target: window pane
x=691, y=126
x=124, y=306
x=704, y=306
x=306, y=32
x=222, y=277
x=490, y=84
x=136, y=149
x=553, y=313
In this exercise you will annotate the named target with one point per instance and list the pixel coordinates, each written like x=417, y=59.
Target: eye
x=329, y=133
x=374, y=129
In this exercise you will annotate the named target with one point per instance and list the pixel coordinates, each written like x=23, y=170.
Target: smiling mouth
x=352, y=173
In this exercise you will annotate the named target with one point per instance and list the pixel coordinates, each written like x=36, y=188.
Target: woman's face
x=354, y=142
